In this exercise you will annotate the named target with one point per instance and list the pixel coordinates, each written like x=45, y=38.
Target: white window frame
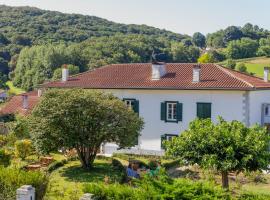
x=172, y=111
x=129, y=102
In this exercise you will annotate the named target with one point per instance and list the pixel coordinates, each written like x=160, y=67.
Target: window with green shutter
x=204, y=110
x=167, y=137
x=171, y=111
x=132, y=104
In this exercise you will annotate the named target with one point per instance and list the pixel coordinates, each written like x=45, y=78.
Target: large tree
x=82, y=119
x=199, y=39
x=225, y=147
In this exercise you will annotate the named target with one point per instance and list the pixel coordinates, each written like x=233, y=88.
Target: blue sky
x=181, y=16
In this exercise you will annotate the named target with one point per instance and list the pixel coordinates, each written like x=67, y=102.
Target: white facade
x=244, y=106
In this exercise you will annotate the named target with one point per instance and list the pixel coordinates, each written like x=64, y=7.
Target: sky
x=180, y=16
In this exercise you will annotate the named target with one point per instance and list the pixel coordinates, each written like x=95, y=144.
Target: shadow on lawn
x=100, y=170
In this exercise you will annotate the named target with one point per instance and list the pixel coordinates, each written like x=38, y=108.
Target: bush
x=119, y=166
x=161, y=188
x=11, y=179
x=230, y=64
x=56, y=164
x=23, y=148
x=241, y=67
x=4, y=158
x=253, y=196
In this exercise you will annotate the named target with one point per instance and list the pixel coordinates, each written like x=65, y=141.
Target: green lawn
x=66, y=182
x=255, y=65
x=13, y=89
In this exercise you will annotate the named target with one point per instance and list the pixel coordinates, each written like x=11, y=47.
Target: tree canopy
x=82, y=119
x=225, y=146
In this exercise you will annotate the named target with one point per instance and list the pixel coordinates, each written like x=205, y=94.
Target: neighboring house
x=169, y=96
x=3, y=95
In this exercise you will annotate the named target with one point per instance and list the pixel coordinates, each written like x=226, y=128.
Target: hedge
x=11, y=179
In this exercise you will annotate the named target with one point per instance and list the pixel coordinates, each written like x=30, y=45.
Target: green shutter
x=136, y=106
x=179, y=108
x=204, y=110
x=163, y=111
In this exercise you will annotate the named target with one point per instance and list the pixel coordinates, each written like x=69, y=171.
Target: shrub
x=230, y=64
x=118, y=165
x=4, y=158
x=11, y=179
x=253, y=196
x=56, y=164
x=23, y=148
x=241, y=67
x=161, y=188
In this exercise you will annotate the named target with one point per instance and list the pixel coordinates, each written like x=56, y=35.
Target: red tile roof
x=138, y=76
x=14, y=105
x=179, y=76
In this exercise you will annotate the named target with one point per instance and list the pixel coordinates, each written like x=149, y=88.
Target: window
x=132, y=104
x=171, y=111
x=167, y=137
x=204, y=110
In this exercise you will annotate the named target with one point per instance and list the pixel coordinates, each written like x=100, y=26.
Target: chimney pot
x=65, y=73
x=266, y=74
x=25, y=101
x=39, y=92
x=158, y=70
x=196, y=73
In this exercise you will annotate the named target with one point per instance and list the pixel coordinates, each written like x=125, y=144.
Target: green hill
x=41, y=25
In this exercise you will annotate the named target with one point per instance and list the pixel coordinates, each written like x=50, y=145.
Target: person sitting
x=132, y=170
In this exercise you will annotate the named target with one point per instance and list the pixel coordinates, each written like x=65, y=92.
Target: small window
x=204, y=110
x=167, y=137
x=171, y=111
x=129, y=103
x=132, y=104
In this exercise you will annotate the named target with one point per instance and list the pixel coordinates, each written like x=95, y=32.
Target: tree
x=232, y=33
x=181, y=53
x=3, y=80
x=206, y=58
x=264, y=47
x=3, y=66
x=241, y=67
x=230, y=63
x=199, y=39
x=57, y=74
x=82, y=119
x=244, y=48
x=224, y=146
x=3, y=40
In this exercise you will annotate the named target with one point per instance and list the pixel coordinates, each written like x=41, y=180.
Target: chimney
x=65, y=73
x=25, y=101
x=158, y=70
x=266, y=74
x=196, y=73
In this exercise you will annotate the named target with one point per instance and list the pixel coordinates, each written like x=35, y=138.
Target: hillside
x=41, y=25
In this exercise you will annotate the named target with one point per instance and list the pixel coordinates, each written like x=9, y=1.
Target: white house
x=168, y=96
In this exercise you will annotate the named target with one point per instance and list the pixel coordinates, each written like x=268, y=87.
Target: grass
x=13, y=89
x=66, y=183
x=255, y=65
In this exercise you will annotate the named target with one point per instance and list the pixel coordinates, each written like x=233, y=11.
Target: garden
x=56, y=150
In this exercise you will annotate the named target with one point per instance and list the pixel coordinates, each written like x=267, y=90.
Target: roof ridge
x=226, y=70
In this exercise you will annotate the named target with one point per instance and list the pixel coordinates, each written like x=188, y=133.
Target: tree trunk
x=86, y=156
x=225, y=180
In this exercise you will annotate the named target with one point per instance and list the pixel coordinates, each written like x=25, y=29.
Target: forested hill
x=41, y=25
